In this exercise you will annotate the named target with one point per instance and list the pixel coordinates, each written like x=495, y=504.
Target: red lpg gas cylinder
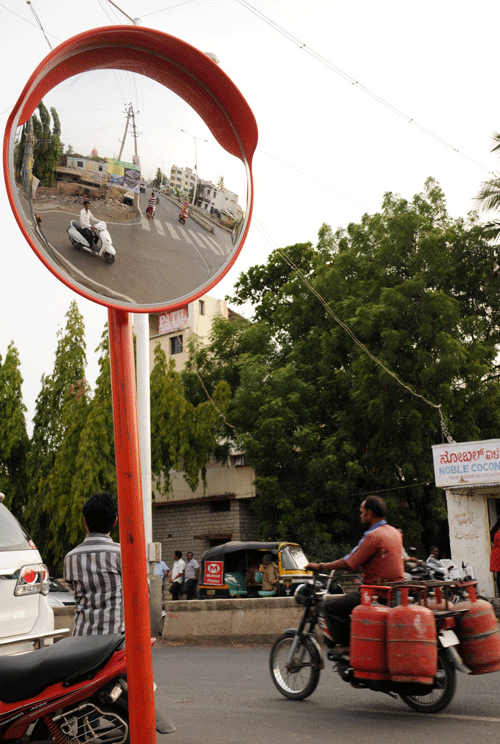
x=437, y=602
x=411, y=642
x=477, y=631
x=367, y=650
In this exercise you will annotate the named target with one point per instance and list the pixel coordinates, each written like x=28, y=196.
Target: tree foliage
x=321, y=421
x=13, y=435
x=47, y=145
x=51, y=423
x=183, y=434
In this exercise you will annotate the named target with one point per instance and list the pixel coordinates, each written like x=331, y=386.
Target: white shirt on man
x=178, y=568
x=85, y=217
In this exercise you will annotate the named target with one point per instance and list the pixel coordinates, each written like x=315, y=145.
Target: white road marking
x=145, y=223
x=159, y=227
x=454, y=716
x=197, y=239
x=172, y=231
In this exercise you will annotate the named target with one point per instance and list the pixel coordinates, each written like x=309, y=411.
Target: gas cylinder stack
x=395, y=640
x=477, y=631
x=392, y=643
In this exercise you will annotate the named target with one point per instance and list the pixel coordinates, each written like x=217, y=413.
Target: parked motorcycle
x=103, y=248
x=296, y=657
x=74, y=691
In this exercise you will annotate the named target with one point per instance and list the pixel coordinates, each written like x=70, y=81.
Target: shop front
x=469, y=472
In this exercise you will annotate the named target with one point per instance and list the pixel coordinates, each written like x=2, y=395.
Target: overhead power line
x=348, y=78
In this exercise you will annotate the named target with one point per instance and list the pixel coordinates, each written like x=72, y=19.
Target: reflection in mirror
x=126, y=144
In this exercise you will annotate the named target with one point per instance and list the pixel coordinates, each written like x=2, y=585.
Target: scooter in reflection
x=183, y=216
x=103, y=248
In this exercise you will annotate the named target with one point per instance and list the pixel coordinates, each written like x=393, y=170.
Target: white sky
x=434, y=61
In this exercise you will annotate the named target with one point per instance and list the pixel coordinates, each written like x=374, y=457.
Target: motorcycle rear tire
x=441, y=695
x=42, y=735
x=300, y=680
x=109, y=258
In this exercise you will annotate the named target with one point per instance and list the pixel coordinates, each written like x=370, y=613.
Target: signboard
x=214, y=573
x=124, y=175
x=173, y=321
x=467, y=463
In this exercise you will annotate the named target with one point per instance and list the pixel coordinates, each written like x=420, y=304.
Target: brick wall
x=190, y=526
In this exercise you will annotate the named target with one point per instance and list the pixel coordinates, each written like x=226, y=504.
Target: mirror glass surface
x=114, y=138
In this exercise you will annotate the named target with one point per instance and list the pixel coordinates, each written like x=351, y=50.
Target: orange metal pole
x=132, y=538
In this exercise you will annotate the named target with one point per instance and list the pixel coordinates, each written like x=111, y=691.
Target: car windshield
x=12, y=535
x=292, y=558
x=55, y=586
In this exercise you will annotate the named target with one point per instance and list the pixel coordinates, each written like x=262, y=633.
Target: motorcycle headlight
x=303, y=592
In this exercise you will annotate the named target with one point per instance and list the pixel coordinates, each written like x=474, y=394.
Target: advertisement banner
x=126, y=176
x=214, y=573
x=467, y=463
x=174, y=321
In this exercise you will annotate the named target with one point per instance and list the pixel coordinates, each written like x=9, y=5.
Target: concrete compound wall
x=243, y=620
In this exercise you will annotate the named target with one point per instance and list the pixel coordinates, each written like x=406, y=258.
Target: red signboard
x=214, y=571
x=173, y=321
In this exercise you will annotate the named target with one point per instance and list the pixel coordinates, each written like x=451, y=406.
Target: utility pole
x=125, y=132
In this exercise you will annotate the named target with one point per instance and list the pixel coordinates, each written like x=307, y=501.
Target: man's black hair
x=178, y=553
x=100, y=512
x=376, y=505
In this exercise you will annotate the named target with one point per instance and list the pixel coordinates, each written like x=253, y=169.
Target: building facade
x=221, y=511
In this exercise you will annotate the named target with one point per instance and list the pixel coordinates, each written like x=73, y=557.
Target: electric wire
x=348, y=78
x=312, y=178
x=171, y=7
x=28, y=2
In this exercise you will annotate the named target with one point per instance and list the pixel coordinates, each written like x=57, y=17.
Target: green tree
x=321, y=421
x=85, y=461
x=183, y=434
x=13, y=435
x=47, y=147
x=51, y=421
x=489, y=195
x=158, y=179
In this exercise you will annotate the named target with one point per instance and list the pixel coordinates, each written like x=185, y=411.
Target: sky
x=352, y=100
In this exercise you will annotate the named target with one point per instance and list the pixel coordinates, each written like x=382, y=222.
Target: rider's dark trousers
x=337, y=609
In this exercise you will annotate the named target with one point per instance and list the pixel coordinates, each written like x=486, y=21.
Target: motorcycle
x=296, y=657
x=103, y=248
x=183, y=217
x=74, y=691
x=150, y=211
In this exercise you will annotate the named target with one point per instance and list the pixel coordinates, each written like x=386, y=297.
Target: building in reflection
x=188, y=520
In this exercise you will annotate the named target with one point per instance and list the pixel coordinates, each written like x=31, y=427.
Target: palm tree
x=489, y=197
x=220, y=183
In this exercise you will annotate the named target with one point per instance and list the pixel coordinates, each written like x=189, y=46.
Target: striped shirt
x=94, y=571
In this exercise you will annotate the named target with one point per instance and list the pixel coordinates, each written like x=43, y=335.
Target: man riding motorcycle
x=379, y=555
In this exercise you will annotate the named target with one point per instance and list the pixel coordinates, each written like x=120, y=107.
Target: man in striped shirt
x=94, y=571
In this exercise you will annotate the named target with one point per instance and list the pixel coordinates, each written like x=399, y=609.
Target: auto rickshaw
x=224, y=569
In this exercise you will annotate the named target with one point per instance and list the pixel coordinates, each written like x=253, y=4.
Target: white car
x=59, y=595
x=24, y=584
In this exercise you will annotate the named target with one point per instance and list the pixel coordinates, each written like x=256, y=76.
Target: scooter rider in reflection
x=85, y=217
x=379, y=555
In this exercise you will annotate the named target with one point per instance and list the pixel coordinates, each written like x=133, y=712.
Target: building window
x=176, y=345
x=220, y=506
x=201, y=307
x=79, y=163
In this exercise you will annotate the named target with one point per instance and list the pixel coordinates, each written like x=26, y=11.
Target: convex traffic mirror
x=124, y=117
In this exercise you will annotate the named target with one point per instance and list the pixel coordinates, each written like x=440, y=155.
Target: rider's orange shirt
x=379, y=555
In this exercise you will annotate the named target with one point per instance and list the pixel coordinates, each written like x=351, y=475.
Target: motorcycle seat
x=69, y=661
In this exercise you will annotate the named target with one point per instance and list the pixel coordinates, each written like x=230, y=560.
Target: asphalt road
x=156, y=260
x=224, y=695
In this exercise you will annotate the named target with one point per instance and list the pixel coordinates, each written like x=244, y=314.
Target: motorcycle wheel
x=104, y=730
x=75, y=244
x=441, y=695
x=109, y=258
x=299, y=680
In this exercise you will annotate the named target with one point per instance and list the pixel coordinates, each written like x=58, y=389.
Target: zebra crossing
x=184, y=234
